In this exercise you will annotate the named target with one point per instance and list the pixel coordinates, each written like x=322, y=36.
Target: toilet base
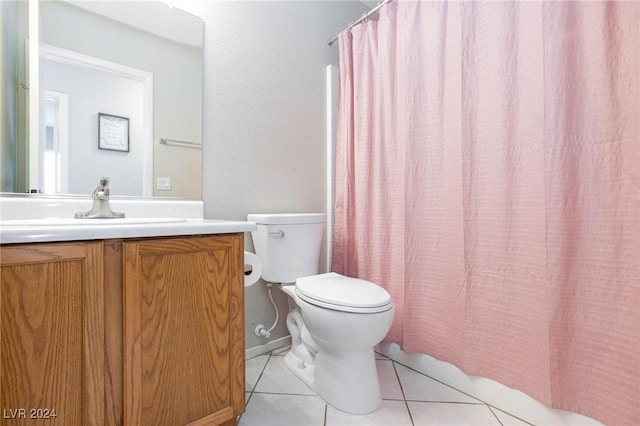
x=347, y=381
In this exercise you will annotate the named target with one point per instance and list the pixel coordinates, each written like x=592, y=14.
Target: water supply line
x=260, y=328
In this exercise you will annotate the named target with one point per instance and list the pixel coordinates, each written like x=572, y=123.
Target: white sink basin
x=88, y=222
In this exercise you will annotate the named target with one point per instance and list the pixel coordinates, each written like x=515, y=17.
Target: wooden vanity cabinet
x=183, y=331
x=124, y=332
x=51, y=334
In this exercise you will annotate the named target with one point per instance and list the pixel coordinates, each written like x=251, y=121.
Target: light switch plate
x=163, y=184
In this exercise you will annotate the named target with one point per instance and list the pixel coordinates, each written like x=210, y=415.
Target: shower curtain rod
x=362, y=18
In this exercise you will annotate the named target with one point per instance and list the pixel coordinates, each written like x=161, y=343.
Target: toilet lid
x=335, y=291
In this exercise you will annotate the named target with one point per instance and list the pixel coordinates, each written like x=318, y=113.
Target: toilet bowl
x=334, y=321
x=340, y=342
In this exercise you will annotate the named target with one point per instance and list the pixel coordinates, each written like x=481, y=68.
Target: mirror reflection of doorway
x=55, y=146
x=95, y=86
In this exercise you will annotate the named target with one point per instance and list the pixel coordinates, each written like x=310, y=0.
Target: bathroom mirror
x=137, y=63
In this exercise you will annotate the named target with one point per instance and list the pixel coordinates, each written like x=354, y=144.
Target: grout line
x=290, y=394
x=259, y=377
x=382, y=355
x=491, y=407
x=281, y=351
x=447, y=402
x=324, y=423
x=406, y=404
x=254, y=387
x=465, y=393
x=494, y=415
x=443, y=383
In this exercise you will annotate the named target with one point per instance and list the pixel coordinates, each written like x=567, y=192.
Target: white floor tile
x=280, y=410
x=380, y=356
x=280, y=398
x=391, y=413
x=389, y=385
x=441, y=414
x=277, y=379
x=507, y=419
x=418, y=387
x=253, y=369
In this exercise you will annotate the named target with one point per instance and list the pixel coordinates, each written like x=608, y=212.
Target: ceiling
x=158, y=18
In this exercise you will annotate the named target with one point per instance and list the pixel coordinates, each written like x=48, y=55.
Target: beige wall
x=264, y=115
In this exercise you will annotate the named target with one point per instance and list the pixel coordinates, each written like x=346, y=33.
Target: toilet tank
x=288, y=245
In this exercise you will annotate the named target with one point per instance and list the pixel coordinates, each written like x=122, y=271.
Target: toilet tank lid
x=286, y=218
x=343, y=291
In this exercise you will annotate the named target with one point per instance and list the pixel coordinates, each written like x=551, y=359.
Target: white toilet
x=335, y=321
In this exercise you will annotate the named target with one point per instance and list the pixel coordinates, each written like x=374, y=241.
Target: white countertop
x=110, y=228
x=29, y=219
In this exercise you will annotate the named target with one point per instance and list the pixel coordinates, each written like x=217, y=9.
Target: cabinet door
x=52, y=331
x=183, y=331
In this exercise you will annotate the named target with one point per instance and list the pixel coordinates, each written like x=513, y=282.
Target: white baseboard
x=267, y=347
x=504, y=398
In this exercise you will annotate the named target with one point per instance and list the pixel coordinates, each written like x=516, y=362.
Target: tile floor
x=276, y=397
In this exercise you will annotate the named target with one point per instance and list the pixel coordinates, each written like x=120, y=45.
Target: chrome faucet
x=101, y=208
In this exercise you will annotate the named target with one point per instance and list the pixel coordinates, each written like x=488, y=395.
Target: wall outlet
x=163, y=184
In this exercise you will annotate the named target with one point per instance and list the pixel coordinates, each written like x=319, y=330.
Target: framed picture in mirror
x=113, y=132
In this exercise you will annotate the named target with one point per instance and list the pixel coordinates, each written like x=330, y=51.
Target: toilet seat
x=340, y=293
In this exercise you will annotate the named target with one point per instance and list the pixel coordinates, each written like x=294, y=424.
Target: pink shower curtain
x=488, y=176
